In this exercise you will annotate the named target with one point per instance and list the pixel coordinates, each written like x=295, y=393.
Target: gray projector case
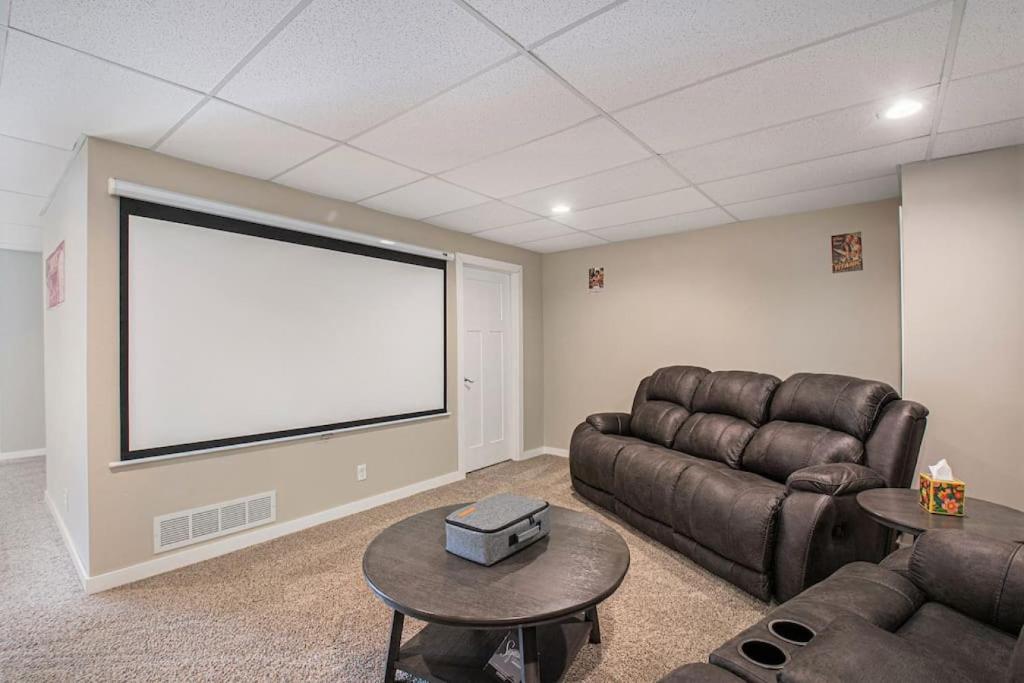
x=495, y=527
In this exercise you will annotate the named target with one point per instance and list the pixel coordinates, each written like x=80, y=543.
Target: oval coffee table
x=900, y=509
x=546, y=593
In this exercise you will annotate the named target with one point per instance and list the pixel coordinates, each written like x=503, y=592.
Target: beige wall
x=64, y=350
x=757, y=295
x=963, y=234
x=310, y=475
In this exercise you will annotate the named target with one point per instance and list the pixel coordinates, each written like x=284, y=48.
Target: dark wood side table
x=548, y=593
x=901, y=510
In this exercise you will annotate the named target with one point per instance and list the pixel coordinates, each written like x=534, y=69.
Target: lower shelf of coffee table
x=448, y=653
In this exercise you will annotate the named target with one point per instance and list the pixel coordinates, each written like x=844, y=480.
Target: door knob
x=466, y=379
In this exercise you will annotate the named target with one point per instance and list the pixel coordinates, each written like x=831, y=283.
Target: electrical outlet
x=67, y=506
x=360, y=472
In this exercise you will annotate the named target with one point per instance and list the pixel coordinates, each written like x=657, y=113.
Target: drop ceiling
x=647, y=117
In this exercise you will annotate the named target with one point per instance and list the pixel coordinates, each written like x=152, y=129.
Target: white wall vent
x=200, y=524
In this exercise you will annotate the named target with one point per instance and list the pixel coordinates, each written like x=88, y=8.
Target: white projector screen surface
x=237, y=338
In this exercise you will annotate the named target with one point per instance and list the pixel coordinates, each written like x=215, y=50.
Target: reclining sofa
x=950, y=608
x=753, y=478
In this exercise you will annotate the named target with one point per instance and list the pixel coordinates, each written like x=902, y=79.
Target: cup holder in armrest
x=791, y=631
x=763, y=653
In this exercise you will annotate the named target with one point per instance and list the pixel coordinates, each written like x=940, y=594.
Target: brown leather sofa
x=949, y=609
x=751, y=477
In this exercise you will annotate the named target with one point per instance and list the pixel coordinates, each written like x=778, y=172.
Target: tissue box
x=942, y=497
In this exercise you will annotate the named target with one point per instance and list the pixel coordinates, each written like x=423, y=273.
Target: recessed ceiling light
x=387, y=241
x=561, y=208
x=901, y=109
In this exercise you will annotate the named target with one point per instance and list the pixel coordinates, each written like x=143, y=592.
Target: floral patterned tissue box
x=942, y=497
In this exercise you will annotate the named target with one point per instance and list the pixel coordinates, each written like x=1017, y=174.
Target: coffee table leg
x=528, y=650
x=394, y=646
x=595, y=625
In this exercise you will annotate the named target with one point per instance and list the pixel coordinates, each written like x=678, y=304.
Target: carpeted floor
x=297, y=609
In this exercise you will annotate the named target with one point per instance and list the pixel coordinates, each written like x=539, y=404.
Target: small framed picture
x=55, y=277
x=847, y=252
x=595, y=279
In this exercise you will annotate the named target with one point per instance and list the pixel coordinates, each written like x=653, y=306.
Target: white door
x=487, y=356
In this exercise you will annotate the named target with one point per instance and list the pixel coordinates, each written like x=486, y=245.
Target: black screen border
x=137, y=207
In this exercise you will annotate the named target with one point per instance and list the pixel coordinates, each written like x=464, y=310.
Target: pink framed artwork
x=55, y=277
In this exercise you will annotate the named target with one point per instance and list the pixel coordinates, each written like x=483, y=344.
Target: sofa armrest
x=610, y=423
x=981, y=577
x=834, y=479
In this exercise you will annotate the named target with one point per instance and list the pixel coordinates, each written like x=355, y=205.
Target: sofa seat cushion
x=731, y=512
x=594, y=454
x=780, y=448
x=646, y=476
x=954, y=638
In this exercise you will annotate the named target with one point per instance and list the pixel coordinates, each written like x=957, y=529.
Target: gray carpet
x=297, y=609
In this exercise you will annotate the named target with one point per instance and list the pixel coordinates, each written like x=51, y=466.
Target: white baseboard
x=544, y=450
x=18, y=455
x=229, y=544
x=83, y=576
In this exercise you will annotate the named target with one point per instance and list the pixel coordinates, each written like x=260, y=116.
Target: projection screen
x=235, y=332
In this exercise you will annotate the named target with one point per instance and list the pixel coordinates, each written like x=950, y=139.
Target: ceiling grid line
x=569, y=86
x=784, y=53
x=233, y=71
x=959, y=7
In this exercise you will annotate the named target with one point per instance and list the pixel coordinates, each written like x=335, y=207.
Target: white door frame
x=515, y=273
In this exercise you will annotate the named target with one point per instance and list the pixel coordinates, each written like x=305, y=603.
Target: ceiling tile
x=225, y=136
x=625, y=182
x=645, y=48
x=576, y=240
x=505, y=107
x=642, y=208
x=998, y=96
x=192, y=42
x=29, y=167
x=823, y=198
x=52, y=94
x=588, y=148
x=5, y=8
x=348, y=174
x=339, y=68
x=22, y=209
x=847, y=130
x=427, y=197
x=888, y=60
x=844, y=168
x=526, y=232
x=991, y=136
x=665, y=225
x=530, y=20
x=991, y=37
x=482, y=217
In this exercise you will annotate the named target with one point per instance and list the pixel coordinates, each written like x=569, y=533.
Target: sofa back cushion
x=841, y=403
x=780, y=448
x=981, y=577
x=663, y=402
x=816, y=419
x=727, y=408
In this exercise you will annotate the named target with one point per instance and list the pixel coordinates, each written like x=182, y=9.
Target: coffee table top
x=900, y=509
x=581, y=562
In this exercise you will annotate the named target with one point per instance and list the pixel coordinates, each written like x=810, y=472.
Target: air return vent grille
x=200, y=524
